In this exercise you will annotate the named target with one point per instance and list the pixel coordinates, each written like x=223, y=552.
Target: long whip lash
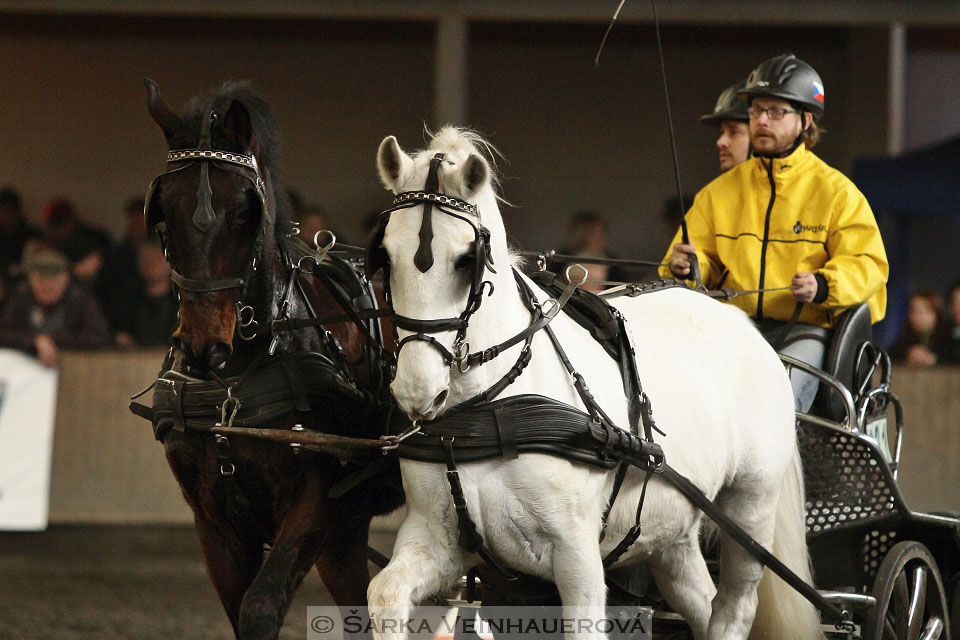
x=596, y=60
x=694, y=262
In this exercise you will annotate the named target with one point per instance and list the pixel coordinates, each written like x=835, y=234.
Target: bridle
x=376, y=259
x=204, y=217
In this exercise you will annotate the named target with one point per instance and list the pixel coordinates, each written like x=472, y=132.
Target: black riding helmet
x=729, y=106
x=789, y=78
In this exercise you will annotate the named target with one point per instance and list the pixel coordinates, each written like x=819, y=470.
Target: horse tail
x=782, y=612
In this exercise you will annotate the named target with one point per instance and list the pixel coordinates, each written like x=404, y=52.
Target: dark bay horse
x=263, y=511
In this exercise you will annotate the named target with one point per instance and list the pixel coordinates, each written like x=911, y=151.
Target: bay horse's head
x=214, y=209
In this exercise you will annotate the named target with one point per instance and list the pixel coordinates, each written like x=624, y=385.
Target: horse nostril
x=440, y=399
x=218, y=354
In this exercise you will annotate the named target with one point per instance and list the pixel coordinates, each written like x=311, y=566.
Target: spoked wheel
x=911, y=604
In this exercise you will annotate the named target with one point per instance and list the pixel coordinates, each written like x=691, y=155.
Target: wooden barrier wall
x=107, y=467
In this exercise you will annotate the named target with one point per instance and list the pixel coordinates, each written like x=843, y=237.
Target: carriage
x=891, y=573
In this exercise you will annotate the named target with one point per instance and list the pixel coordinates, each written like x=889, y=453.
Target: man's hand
x=680, y=259
x=804, y=287
x=47, y=352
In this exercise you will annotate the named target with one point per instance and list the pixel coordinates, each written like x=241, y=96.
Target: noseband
x=204, y=216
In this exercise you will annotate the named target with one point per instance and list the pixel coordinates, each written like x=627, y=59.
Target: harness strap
x=294, y=377
x=470, y=539
x=508, y=436
x=617, y=484
x=448, y=358
x=204, y=286
x=343, y=300
x=634, y=532
x=754, y=548
x=295, y=324
x=490, y=353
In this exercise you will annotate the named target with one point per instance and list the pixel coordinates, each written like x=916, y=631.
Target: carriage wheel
x=911, y=604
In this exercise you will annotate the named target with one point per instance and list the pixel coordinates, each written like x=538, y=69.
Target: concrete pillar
x=896, y=88
x=450, y=83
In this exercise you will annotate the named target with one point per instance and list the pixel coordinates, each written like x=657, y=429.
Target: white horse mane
x=461, y=140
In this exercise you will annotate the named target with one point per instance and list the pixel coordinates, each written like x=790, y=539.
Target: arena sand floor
x=133, y=582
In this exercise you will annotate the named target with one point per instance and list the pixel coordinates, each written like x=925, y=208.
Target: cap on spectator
x=44, y=260
x=56, y=212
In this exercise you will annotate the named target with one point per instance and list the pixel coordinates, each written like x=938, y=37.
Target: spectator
x=730, y=115
x=294, y=202
x=953, y=347
x=586, y=236
x=924, y=340
x=14, y=234
x=122, y=280
x=49, y=312
x=151, y=312
x=86, y=247
x=313, y=219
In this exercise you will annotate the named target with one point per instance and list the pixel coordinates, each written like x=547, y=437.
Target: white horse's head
x=433, y=276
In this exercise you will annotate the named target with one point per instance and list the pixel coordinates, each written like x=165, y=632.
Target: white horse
x=718, y=391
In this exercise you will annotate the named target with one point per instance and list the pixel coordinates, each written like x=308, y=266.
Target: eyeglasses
x=774, y=113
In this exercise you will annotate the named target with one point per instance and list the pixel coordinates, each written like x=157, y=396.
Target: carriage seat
x=849, y=333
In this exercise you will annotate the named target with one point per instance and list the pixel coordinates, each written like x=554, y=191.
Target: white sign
x=28, y=402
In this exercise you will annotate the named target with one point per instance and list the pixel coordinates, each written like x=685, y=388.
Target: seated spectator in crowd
x=49, y=312
x=923, y=341
x=586, y=237
x=121, y=279
x=151, y=312
x=313, y=219
x=14, y=233
x=85, y=246
x=953, y=349
x=294, y=202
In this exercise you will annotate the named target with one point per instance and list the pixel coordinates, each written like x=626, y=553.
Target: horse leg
x=681, y=575
x=578, y=574
x=232, y=565
x=735, y=604
x=301, y=533
x=342, y=564
x=424, y=562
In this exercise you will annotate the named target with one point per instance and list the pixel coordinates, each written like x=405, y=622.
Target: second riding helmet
x=729, y=106
x=789, y=78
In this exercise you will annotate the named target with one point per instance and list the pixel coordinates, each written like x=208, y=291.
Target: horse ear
x=161, y=113
x=237, y=126
x=474, y=174
x=392, y=163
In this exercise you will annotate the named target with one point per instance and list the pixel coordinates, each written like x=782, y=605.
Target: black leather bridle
x=376, y=259
x=204, y=217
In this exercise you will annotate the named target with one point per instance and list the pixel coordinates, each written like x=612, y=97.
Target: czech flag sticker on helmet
x=818, y=91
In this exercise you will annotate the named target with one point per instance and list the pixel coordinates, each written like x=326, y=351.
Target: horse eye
x=240, y=216
x=463, y=261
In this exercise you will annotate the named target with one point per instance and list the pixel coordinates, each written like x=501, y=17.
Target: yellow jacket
x=749, y=236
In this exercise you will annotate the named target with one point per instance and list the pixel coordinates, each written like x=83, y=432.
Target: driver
x=730, y=116
x=786, y=220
